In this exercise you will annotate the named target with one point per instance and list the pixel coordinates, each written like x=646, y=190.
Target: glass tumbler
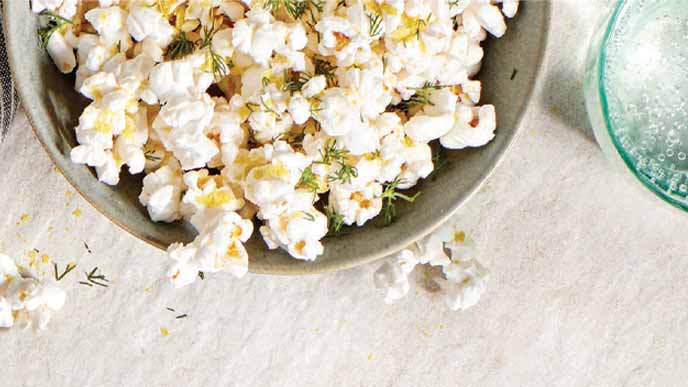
x=636, y=93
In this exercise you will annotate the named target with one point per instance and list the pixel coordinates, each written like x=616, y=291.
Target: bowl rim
x=342, y=264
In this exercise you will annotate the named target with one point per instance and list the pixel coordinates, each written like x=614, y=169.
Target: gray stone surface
x=588, y=282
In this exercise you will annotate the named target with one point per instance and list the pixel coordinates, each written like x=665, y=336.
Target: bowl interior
x=509, y=72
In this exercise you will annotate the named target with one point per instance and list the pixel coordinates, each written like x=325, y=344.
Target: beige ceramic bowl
x=509, y=73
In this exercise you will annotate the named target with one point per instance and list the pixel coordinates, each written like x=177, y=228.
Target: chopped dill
x=309, y=181
x=68, y=268
x=93, y=278
x=180, y=47
x=389, y=197
x=335, y=222
x=54, y=23
x=439, y=161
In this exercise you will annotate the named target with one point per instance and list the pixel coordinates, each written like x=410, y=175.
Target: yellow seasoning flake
x=32, y=254
x=69, y=194
x=104, y=122
x=370, y=356
x=45, y=258
x=459, y=236
x=164, y=332
x=272, y=171
x=77, y=212
x=215, y=199
x=24, y=217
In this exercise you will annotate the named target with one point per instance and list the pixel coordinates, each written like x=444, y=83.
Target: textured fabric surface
x=588, y=281
x=10, y=101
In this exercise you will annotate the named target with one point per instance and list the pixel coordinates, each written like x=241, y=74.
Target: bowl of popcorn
x=275, y=136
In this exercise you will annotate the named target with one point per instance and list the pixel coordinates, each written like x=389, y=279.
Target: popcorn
x=180, y=78
x=267, y=183
x=356, y=206
x=148, y=23
x=436, y=119
x=180, y=124
x=161, y=194
x=39, y=6
x=24, y=301
x=474, y=127
x=261, y=113
x=392, y=276
x=479, y=14
x=61, y=52
x=466, y=278
x=336, y=114
x=218, y=247
x=110, y=24
x=298, y=229
x=467, y=282
x=208, y=195
x=314, y=86
x=404, y=158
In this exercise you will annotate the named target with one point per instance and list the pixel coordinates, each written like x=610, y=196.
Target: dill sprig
x=323, y=67
x=389, y=197
x=266, y=107
x=375, y=22
x=296, y=8
x=429, y=86
x=93, y=278
x=418, y=99
x=309, y=180
x=440, y=162
x=309, y=216
x=68, y=268
x=344, y=173
x=421, y=98
x=201, y=275
x=54, y=23
x=180, y=47
x=295, y=81
x=149, y=155
x=332, y=154
x=335, y=222
x=220, y=67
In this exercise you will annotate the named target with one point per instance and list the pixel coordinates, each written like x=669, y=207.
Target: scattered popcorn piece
x=467, y=282
x=466, y=278
x=218, y=247
x=392, y=276
x=24, y=301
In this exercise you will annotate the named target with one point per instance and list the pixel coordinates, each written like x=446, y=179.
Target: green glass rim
x=639, y=175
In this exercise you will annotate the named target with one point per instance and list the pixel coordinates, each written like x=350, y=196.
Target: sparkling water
x=645, y=79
